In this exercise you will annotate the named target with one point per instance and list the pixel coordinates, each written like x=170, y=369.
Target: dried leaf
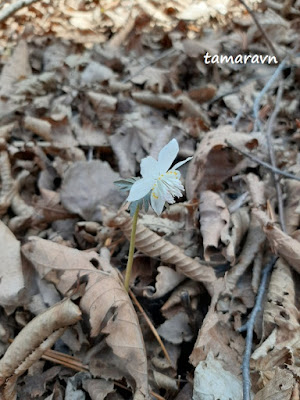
x=280, y=309
x=279, y=388
x=12, y=280
x=281, y=243
x=37, y=336
x=214, y=162
x=15, y=70
x=153, y=245
x=176, y=329
x=209, y=371
x=88, y=185
x=166, y=280
x=105, y=300
x=214, y=226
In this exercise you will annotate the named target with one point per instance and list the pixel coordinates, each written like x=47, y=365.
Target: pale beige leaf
x=105, y=301
x=281, y=243
x=87, y=185
x=12, y=280
x=16, y=69
x=166, y=280
x=176, y=329
x=280, y=309
x=217, y=336
x=279, y=388
x=214, y=225
x=153, y=245
x=210, y=371
x=292, y=216
x=38, y=336
x=214, y=162
x=254, y=242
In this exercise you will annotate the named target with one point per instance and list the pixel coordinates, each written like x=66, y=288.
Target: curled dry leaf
x=256, y=189
x=218, y=337
x=292, y=214
x=281, y=243
x=12, y=280
x=214, y=161
x=166, y=280
x=107, y=304
x=38, y=336
x=280, y=309
x=153, y=245
x=280, y=387
x=214, y=226
x=254, y=241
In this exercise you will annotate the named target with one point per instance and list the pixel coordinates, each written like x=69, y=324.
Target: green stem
x=131, y=250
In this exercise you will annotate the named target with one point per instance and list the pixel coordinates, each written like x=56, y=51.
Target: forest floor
x=87, y=90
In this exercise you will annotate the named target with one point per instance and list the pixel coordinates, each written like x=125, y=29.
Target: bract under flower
x=162, y=183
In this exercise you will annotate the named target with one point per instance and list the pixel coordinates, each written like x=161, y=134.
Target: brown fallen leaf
x=38, y=336
x=153, y=245
x=11, y=274
x=281, y=243
x=86, y=186
x=280, y=309
x=279, y=388
x=214, y=161
x=214, y=227
x=111, y=313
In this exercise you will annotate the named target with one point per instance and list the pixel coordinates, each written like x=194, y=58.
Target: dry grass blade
x=37, y=337
x=153, y=245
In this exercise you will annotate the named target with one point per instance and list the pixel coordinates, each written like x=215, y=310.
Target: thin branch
x=13, y=8
x=263, y=163
x=250, y=326
x=273, y=158
x=268, y=41
x=263, y=92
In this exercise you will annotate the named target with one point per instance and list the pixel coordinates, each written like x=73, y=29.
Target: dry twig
x=268, y=41
x=263, y=163
x=250, y=326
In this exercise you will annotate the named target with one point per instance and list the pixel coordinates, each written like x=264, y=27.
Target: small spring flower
x=158, y=181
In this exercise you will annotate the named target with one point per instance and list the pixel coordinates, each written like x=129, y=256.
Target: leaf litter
x=86, y=92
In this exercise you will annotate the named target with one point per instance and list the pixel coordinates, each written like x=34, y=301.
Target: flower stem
x=131, y=249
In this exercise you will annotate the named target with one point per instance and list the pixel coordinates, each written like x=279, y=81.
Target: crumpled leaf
x=176, y=329
x=166, y=280
x=105, y=301
x=214, y=226
x=210, y=371
x=86, y=186
x=153, y=245
x=279, y=388
x=12, y=280
x=16, y=69
x=214, y=161
x=281, y=243
x=280, y=309
x=38, y=335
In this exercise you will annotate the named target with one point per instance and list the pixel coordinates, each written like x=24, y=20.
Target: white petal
x=140, y=188
x=157, y=204
x=167, y=155
x=149, y=167
x=179, y=164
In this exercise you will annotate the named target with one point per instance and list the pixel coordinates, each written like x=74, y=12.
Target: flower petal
x=179, y=164
x=157, y=201
x=140, y=188
x=149, y=167
x=167, y=155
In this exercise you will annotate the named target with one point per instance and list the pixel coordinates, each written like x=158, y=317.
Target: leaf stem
x=131, y=249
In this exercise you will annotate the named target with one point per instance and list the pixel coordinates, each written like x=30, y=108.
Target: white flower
x=164, y=184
